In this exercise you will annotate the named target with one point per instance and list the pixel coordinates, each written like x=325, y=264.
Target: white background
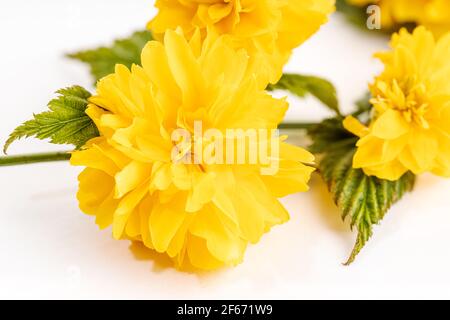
x=49, y=249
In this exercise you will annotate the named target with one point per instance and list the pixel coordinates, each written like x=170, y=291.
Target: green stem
x=296, y=125
x=33, y=158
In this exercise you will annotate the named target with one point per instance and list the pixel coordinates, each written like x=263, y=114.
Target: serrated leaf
x=330, y=135
x=65, y=123
x=302, y=85
x=103, y=60
x=362, y=199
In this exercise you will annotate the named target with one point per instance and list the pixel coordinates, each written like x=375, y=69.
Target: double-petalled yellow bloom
x=410, y=128
x=267, y=29
x=202, y=215
x=433, y=14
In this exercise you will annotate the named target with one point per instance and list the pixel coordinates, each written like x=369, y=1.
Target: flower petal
x=390, y=125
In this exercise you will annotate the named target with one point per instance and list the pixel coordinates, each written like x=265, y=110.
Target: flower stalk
x=33, y=158
x=24, y=159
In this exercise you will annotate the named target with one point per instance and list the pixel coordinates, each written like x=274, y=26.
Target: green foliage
x=358, y=16
x=302, y=85
x=362, y=199
x=103, y=60
x=354, y=14
x=65, y=123
x=330, y=135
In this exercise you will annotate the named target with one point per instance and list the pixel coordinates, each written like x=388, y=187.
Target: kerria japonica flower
x=410, y=125
x=433, y=14
x=143, y=175
x=268, y=29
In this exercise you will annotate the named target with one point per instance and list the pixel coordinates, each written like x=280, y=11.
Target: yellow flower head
x=433, y=14
x=267, y=29
x=200, y=214
x=410, y=129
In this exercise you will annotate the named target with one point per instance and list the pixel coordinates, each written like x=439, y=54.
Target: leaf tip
x=359, y=245
x=350, y=259
x=8, y=143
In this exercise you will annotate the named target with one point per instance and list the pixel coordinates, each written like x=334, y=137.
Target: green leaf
x=65, y=123
x=354, y=14
x=103, y=60
x=358, y=16
x=362, y=199
x=302, y=85
x=330, y=135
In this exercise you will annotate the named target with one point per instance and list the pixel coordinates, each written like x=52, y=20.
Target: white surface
x=49, y=249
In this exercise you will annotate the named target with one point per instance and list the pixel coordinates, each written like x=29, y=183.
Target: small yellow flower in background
x=410, y=129
x=267, y=29
x=201, y=215
x=433, y=14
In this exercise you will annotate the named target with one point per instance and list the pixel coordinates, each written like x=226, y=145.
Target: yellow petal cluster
x=267, y=29
x=201, y=215
x=433, y=14
x=410, y=128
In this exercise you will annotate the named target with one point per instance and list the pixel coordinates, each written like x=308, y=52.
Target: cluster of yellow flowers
x=410, y=126
x=267, y=29
x=212, y=64
x=433, y=14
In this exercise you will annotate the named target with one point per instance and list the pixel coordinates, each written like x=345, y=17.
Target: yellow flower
x=202, y=215
x=410, y=128
x=433, y=14
x=267, y=29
